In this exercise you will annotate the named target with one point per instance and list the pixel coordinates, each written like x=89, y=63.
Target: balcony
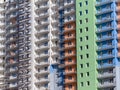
x=105, y=66
x=69, y=38
x=70, y=81
x=105, y=37
x=12, y=78
x=37, y=2
x=105, y=56
x=42, y=55
x=69, y=73
x=42, y=72
x=42, y=81
x=103, y=2
x=107, y=85
x=54, y=38
x=69, y=20
x=104, y=29
x=105, y=47
x=106, y=75
x=42, y=47
x=13, y=85
x=41, y=32
x=71, y=3
x=41, y=15
x=70, y=12
x=41, y=64
x=104, y=20
x=103, y=11
x=41, y=39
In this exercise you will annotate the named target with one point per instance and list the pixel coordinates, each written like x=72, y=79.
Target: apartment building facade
x=98, y=65
x=59, y=45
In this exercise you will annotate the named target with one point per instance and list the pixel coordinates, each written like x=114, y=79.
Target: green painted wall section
x=91, y=42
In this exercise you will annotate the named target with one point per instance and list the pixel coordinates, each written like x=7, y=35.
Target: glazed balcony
x=103, y=2
x=105, y=66
x=105, y=56
x=104, y=10
x=105, y=47
x=105, y=37
x=106, y=75
x=106, y=85
x=104, y=20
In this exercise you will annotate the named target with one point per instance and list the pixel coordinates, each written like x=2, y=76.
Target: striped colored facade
x=59, y=45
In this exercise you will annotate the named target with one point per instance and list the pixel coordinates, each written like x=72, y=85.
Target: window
x=80, y=38
x=70, y=78
x=86, y=47
x=86, y=2
x=87, y=74
x=80, y=47
x=81, y=56
x=81, y=65
x=69, y=43
x=86, y=29
x=70, y=87
x=80, y=30
x=80, y=4
x=87, y=55
x=69, y=34
x=86, y=37
x=86, y=20
x=88, y=83
x=80, y=21
x=86, y=11
x=80, y=13
x=87, y=64
x=81, y=74
x=69, y=51
x=69, y=60
x=69, y=68
x=81, y=84
x=69, y=26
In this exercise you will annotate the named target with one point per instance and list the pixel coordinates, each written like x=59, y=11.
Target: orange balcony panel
x=70, y=73
x=70, y=81
x=70, y=64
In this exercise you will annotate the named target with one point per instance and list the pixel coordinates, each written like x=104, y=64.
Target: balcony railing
x=102, y=2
